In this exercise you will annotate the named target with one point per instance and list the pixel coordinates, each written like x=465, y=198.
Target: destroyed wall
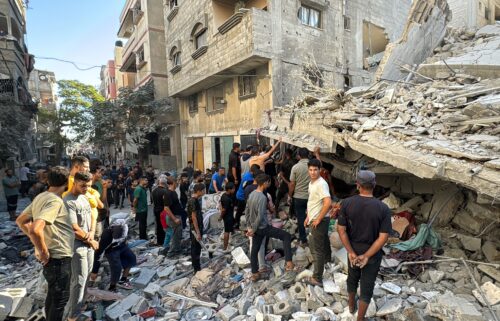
x=473, y=13
x=424, y=30
x=389, y=15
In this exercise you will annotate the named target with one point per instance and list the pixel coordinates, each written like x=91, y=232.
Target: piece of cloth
x=7, y=182
x=420, y=254
x=176, y=236
x=321, y=251
x=256, y=210
x=142, y=217
x=269, y=232
x=364, y=218
x=79, y=212
x=364, y=277
x=318, y=190
x=234, y=162
x=300, y=176
x=425, y=236
x=245, y=181
x=57, y=273
x=227, y=204
x=142, y=199
x=300, y=208
x=58, y=232
x=120, y=258
x=219, y=181
x=11, y=203
x=81, y=266
x=163, y=219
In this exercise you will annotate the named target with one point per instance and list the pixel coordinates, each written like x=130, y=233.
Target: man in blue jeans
x=298, y=189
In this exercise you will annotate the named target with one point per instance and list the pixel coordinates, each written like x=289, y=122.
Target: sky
x=82, y=31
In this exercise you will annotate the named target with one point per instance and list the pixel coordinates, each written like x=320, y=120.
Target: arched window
x=199, y=36
x=175, y=56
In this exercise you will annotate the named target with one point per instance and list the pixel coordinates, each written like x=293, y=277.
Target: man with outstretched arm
x=364, y=224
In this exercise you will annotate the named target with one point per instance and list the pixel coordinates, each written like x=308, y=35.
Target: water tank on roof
x=119, y=43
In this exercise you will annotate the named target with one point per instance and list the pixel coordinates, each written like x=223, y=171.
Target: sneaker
x=125, y=285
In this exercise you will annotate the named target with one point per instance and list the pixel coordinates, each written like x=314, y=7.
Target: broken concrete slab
x=490, y=271
x=490, y=251
x=227, y=313
x=491, y=292
x=436, y=276
x=390, y=307
x=240, y=257
x=117, y=309
x=144, y=278
x=470, y=243
x=391, y=288
x=451, y=307
x=445, y=205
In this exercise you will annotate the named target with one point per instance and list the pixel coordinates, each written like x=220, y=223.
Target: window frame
x=201, y=33
x=247, y=85
x=193, y=103
x=173, y=3
x=308, y=9
x=212, y=98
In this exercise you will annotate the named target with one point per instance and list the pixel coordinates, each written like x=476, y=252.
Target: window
x=165, y=149
x=137, y=13
x=314, y=79
x=4, y=26
x=172, y=4
x=140, y=57
x=347, y=23
x=247, y=84
x=175, y=56
x=309, y=16
x=215, y=98
x=201, y=39
x=193, y=103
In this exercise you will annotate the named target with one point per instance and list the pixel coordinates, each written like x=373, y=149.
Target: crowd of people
x=70, y=225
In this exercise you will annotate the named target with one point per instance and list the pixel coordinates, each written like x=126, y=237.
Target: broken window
x=374, y=42
x=247, y=85
x=347, y=81
x=215, y=98
x=310, y=16
x=4, y=26
x=313, y=79
x=193, y=103
x=140, y=58
x=172, y=4
x=137, y=13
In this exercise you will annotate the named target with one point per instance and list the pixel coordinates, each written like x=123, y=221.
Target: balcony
x=242, y=43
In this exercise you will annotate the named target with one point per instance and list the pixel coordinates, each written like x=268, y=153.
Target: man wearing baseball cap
x=364, y=224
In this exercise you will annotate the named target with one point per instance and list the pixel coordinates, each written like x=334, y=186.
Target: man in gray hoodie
x=259, y=227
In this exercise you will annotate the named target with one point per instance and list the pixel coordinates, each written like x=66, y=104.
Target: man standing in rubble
x=364, y=224
x=318, y=220
x=141, y=207
x=196, y=225
x=298, y=190
x=47, y=224
x=234, y=165
x=80, y=215
x=259, y=227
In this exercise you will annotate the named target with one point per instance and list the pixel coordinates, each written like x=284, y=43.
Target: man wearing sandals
x=259, y=228
x=364, y=225
x=318, y=220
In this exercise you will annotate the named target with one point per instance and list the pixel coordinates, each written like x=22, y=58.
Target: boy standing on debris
x=227, y=212
x=80, y=215
x=196, y=224
x=364, y=224
x=47, y=224
x=318, y=220
x=259, y=227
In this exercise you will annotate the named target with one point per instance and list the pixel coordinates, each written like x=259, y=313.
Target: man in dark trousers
x=364, y=224
x=298, y=189
x=141, y=207
x=234, y=165
x=259, y=227
x=196, y=224
x=175, y=213
x=158, y=205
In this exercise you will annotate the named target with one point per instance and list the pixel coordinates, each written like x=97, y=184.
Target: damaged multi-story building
x=231, y=61
x=144, y=56
x=42, y=87
x=16, y=64
x=427, y=126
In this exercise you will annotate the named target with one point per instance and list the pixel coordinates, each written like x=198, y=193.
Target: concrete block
x=240, y=257
x=491, y=252
x=117, y=309
x=470, y=243
x=165, y=272
x=227, y=313
x=144, y=278
x=38, y=315
x=451, y=307
x=152, y=289
x=391, y=288
x=330, y=287
x=22, y=308
x=447, y=201
x=468, y=222
x=390, y=307
x=141, y=306
x=297, y=291
x=436, y=276
x=282, y=308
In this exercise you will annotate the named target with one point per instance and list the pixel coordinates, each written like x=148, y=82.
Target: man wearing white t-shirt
x=318, y=219
x=23, y=177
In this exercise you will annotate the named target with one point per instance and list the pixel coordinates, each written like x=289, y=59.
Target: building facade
x=231, y=61
x=15, y=68
x=144, y=56
x=474, y=13
x=108, y=88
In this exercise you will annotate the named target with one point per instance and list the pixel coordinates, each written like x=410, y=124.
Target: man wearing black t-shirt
x=173, y=206
x=234, y=166
x=196, y=224
x=364, y=224
x=158, y=205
